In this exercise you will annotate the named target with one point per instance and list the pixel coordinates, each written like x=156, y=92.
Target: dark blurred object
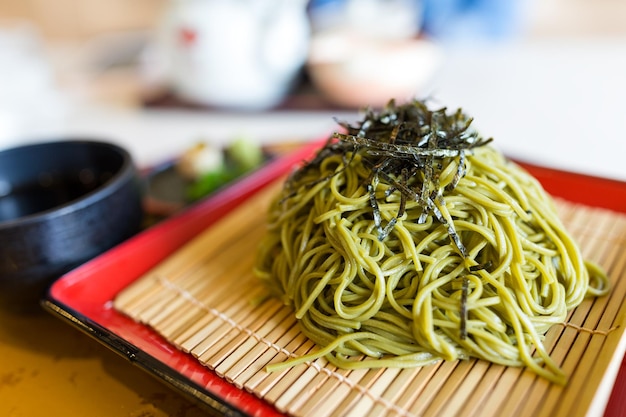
x=303, y=96
x=166, y=192
x=61, y=204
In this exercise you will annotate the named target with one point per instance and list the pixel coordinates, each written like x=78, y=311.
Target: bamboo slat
x=205, y=300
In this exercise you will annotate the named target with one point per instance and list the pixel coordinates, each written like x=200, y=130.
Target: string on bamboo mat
x=590, y=331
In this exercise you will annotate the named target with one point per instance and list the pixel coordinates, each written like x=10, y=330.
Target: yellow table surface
x=48, y=368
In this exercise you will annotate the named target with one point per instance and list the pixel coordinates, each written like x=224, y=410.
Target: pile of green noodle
x=394, y=254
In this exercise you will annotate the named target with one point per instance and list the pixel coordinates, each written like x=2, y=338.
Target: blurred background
x=545, y=78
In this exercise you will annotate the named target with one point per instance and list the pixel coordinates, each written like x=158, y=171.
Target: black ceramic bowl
x=61, y=204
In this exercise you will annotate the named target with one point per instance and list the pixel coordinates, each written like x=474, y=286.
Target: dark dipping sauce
x=49, y=191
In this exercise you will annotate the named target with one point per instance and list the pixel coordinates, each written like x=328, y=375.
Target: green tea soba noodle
x=409, y=239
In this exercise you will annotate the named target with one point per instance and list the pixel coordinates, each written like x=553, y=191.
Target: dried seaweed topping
x=408, y=146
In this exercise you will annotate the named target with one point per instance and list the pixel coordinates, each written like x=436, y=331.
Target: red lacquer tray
x=84, y=296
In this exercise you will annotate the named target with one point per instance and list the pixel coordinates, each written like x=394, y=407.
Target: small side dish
x=198, y=172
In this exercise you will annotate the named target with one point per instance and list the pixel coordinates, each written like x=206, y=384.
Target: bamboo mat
x=204, y=300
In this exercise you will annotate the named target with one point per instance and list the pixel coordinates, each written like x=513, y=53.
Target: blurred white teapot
x=234, y=53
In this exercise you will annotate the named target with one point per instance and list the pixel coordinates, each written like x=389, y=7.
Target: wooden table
x=49, y=368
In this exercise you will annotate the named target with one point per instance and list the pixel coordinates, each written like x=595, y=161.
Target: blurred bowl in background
x=356, y=72
x=61, y=204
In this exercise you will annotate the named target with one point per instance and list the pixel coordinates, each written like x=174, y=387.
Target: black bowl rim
x=126, y=172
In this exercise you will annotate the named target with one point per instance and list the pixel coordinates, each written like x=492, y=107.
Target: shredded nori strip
x=464, y=314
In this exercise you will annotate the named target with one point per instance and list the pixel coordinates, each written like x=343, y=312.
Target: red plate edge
x=85, y=294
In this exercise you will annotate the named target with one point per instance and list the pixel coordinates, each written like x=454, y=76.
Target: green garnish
x=240, y=157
